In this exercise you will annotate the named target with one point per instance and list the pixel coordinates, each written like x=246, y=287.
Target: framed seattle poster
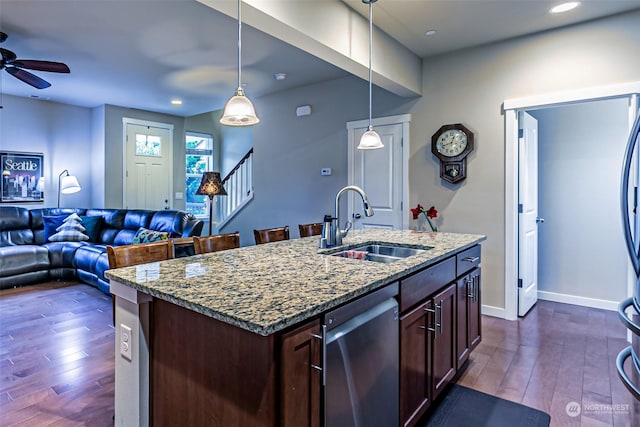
x=22, y=177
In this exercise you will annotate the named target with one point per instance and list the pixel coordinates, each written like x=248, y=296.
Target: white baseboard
x=575, y=300
x=493, y=311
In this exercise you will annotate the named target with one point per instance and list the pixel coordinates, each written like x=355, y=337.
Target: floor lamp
x=211, y=186
x=67, y=184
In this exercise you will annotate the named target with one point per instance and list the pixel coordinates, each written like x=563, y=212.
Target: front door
x=528, y=213
x=148, y=166
x=380, y=173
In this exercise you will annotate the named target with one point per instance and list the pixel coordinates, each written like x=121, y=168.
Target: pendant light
x=239, y=111
x=370, y=140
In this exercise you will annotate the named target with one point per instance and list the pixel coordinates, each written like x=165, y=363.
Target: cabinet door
x=473, y=305
x=300, y=398
x=444, y=346
x=463, y=296
x=415, y=359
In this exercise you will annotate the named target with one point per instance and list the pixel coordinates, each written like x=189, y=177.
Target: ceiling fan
x=15, y=67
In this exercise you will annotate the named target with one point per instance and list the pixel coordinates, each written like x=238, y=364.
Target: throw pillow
x=144, y=235
x=73, y=217
x=92, y=225
x=70, y=225
x=69, y=235
x=50, y=225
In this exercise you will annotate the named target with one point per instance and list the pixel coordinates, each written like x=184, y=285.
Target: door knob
x=539, y=220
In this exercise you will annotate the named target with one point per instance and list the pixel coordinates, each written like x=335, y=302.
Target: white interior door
x=528, y=213
x=148, y=167
x=380, y=174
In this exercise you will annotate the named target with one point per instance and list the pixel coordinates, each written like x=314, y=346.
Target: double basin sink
x=379, y=252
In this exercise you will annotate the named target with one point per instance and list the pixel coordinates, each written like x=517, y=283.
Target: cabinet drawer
x=467, y=260
x=418, y=286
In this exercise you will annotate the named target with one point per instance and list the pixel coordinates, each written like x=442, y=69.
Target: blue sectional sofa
x=27, y=257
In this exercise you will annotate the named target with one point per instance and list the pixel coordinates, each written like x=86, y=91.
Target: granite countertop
x=267, y=288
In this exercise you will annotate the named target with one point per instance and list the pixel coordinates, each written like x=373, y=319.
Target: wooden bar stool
x=128, y=255
x=308, y=230
x=268, y=235
x=182, y=246
x=219, y=242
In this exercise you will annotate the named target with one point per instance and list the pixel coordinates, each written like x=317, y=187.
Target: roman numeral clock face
x=451, y=144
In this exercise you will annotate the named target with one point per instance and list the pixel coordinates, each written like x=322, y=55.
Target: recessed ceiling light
x=430, y=32
x=280, y=76
x=564, y=7
x=176, y=102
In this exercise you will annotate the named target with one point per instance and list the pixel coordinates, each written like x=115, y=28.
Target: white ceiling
x=143, y=53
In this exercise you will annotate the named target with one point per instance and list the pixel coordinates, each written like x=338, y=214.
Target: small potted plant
x=429, y=214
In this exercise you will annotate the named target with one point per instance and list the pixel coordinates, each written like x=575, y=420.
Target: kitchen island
x=209, y=334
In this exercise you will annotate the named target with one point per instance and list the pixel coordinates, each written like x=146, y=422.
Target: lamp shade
x=370, y=140
x=211, y=185
x=69, y=185
x=239, y=111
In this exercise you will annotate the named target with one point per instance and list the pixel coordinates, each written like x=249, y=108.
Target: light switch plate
x=179, y=195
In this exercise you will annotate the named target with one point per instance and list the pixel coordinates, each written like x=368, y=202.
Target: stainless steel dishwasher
x=361, y=352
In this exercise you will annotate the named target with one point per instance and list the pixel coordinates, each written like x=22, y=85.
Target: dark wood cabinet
x=444, y=364
x=300, y=376
x=468, y=315
x=437, y=334
x=415, y=360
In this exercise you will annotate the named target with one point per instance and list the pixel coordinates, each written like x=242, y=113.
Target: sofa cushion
x=87, y=257
x=14, y=226
x=21, y=259
x=173, y=222
x=144, y=235
x=112, y=223
x=62, y=254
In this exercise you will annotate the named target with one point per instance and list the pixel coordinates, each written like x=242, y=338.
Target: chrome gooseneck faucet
x=336, y=235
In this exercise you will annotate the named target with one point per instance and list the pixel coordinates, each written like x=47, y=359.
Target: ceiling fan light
x=370, y=140
x=239, y=111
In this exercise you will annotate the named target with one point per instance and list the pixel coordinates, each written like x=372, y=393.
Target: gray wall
x=470, y=86
x=289, y=152
x=581, y=249
x=62, y=133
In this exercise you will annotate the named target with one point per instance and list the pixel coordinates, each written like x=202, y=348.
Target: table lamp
x=211, y=186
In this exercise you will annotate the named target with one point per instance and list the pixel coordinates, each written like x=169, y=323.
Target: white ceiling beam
x=333, y=32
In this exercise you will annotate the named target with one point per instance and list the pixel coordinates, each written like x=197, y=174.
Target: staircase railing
x=239, y=186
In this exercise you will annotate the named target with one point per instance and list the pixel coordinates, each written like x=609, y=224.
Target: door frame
x=510, y=108
x=126, y=121
x=402, y=119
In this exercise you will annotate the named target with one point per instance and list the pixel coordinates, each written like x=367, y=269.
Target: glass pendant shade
x=370, y=140
x=239, y=111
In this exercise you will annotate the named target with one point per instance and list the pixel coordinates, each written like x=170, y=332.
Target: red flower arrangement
x=430, y=214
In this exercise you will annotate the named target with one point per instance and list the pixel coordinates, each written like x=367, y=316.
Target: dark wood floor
x=57, y=360
x=56, y=356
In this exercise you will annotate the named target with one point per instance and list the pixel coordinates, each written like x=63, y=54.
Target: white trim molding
x=582, y=301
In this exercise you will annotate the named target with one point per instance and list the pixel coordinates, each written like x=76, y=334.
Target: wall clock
x=451, y=144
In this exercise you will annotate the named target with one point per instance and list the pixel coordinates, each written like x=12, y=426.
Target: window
x=148, y=145
x=199, y=159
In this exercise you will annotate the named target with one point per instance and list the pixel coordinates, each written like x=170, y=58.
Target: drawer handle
x=316, y=367
x=316, y=336
x=471, y=259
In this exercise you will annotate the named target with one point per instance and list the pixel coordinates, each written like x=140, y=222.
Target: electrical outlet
x=125, y=341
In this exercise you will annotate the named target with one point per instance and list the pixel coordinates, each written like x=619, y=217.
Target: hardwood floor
x=557, y=354
x=57, y=360
x=56, y=356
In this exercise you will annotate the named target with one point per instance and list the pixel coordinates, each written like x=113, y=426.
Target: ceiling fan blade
x=53, y=67
x=7, y=55
x=28, y=78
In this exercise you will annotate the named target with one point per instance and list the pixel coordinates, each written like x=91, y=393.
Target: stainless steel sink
x=379, y=252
